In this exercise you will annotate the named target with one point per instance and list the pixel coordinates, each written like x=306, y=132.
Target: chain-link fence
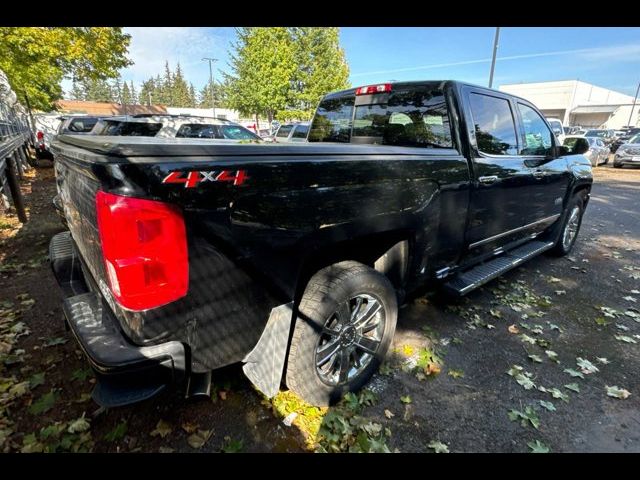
x=15, y=136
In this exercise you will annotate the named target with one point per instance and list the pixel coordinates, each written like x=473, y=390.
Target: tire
x=313, y=372
x=616, y=165
x=566, y=240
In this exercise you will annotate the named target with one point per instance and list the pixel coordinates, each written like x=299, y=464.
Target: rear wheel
x=346, y=321
x=570, y=227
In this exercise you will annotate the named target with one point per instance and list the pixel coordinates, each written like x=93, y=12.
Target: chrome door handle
x=488, y=179
x=539, y=174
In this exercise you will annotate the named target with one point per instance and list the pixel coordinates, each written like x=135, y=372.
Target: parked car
x=184, y=256
x=598, y=152
x=174, y=126
x=628, y=153
x=292, y=132
x=77, y=124
x=624, y=138
x=557, y=128
x=46, y=125
x=267, y=135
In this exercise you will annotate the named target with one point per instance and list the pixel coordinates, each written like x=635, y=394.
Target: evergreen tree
x=126, y=94
x=132, y=93
x=148, y=92
x=116, y=91
x=192, y=96
x=97, y=90
x=219, y=95
x=77, y=91
x=179, y=90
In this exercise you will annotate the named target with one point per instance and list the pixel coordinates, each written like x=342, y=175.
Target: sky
x=607, y=57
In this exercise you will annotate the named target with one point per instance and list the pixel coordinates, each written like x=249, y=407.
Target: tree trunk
x=257, y=124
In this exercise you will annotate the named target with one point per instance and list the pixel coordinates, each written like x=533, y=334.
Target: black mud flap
x=264, y=364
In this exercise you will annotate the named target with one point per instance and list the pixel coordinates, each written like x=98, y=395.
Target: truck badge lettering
x=192, y=179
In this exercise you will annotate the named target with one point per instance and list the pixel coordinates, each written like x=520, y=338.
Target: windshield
x=237, y=132
x=596, y=133
x=410, y=116
x=635, y=138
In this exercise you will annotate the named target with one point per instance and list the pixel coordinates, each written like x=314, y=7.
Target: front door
x=503, y=184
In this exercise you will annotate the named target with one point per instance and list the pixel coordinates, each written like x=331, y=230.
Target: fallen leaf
x=162, y=429
x=618, y=392
x=118, y=432
x=36, y=379
x=198, y=439
x=548, y=405
x=438, y=447
x=456, y=373
x=44, y=403
x=232, y=446
x=586, y=366
x=513, y=329
x=538, y=447
x=573, y=373
x=79, y=425
x=388, y=413
x=603, y=360
x=573, y=387
x=555, y=393
x=405, y=399
x=602, y=321
x=561, y=292
x=629, y=299
x=525, y=381
x=535, y=358
x=552, y=355
x=51, y=342
x=222, y=394
x=625, y=338
x=526, y=338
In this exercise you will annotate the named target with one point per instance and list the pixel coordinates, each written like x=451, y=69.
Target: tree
x=77, y=91
x=192, y=96
x=97, y=90
x=220, y=95
x=321, y=68
x=148, y=92
x=132, y=93
x=36, y=59
x=262, y=68
x=180, y=90
x=126, y=94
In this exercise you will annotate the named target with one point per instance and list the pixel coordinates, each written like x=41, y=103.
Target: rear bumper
x=126, y=373
x=618, y=160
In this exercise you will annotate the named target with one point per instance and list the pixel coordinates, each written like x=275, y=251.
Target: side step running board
x=470, y=279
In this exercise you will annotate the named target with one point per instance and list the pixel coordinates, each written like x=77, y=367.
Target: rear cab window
x=410, y=115
x=129, y=129
x=300, y=131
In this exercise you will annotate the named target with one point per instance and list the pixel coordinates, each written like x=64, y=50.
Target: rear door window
x=196, y=130
x=494, y=124
x=300, y=131
x=283, y=131
x=82, y=125
x=236, y=132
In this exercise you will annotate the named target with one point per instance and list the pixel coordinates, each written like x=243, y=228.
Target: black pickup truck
x=183, y=256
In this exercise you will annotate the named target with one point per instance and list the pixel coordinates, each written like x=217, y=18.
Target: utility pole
x=493, y=60
x=213, y=103
x=634, y=105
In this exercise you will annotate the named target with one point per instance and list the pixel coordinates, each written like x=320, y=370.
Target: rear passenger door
x=500, y=207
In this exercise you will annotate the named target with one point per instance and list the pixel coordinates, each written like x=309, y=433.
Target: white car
x=174, y=126
x=292, y=132
x=557, y=128
x=598, y=152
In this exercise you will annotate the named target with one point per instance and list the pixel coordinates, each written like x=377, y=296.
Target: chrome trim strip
x=509, y=232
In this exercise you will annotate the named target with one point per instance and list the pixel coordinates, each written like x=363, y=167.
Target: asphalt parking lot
x=565, y=329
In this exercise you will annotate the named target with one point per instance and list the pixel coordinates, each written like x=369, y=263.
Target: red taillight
x=144, y=245
x=382, y=88
x=40, y=135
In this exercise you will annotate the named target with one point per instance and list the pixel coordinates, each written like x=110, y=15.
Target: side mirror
x=581, y=146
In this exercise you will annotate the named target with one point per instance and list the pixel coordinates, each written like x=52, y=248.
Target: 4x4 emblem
x=192, y=179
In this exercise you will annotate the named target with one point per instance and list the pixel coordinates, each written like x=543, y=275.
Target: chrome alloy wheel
x=350, y=339
x=571, y=229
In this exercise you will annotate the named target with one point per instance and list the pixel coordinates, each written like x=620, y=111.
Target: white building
x=578, y=103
